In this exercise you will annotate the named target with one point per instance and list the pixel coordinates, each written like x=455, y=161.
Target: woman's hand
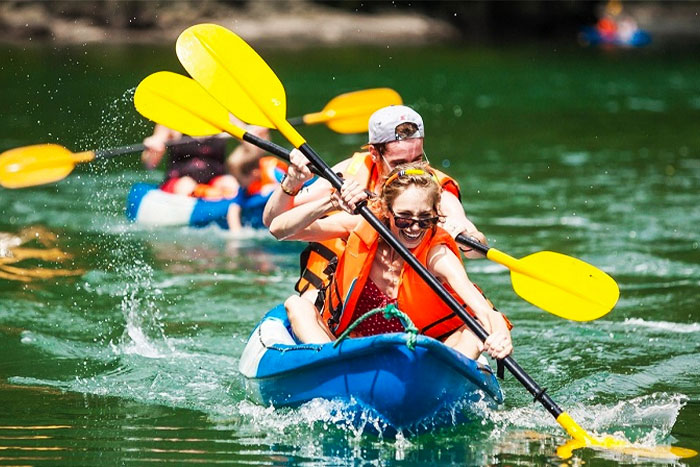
x=156, y=145
x=155, y=148
x=498, y=345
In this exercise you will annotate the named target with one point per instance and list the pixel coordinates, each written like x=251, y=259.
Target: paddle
x=180, y=103
x=551, y=281
x=349, y=112
x=47, y=163
x=238, y=77
x=560, y=284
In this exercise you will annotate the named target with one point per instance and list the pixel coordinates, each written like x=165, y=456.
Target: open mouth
x=411, y=236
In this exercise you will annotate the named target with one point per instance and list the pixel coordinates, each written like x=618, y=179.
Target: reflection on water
x=20, y=248
x=214, y=249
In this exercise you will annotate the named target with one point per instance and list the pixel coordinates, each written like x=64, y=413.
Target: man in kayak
x=371, y=275
x=258, y=175
x=396, y=136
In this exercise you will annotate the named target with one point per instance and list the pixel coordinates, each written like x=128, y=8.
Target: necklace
x=393, y=265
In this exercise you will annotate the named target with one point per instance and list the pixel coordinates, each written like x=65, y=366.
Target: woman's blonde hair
x=417, y=174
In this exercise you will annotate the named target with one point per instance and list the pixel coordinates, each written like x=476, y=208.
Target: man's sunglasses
x=407, y=222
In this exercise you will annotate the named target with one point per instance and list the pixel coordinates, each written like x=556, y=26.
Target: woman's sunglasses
x=407, y=222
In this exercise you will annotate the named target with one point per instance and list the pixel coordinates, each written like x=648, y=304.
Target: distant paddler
x=188, y=108
x=201, y=168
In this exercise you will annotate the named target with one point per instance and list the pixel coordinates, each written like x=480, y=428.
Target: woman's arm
x=449, y=268
x=155, y=145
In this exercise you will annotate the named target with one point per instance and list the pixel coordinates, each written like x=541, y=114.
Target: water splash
x=142, y=317
x=646, y=420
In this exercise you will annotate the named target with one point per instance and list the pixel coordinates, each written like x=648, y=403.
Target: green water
x=134, y=360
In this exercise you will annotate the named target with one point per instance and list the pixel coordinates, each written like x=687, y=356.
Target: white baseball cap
x=383, y=123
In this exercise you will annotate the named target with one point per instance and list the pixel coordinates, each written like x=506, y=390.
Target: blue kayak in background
x=148, y=205
x=404, y=388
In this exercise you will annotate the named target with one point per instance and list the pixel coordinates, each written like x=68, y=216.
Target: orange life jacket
x=318, y=260
x=212, y=193
x=269, y=167
x=428, y=312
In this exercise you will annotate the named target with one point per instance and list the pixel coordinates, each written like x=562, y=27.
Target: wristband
x=288, y=192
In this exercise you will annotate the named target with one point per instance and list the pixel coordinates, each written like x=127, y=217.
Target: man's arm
x=298, y=173
x=456, y=222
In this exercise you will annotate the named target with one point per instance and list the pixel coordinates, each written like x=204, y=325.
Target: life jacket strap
x=311, y=278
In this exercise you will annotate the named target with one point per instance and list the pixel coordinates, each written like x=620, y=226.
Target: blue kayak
x=148, y=205
x=403, y=388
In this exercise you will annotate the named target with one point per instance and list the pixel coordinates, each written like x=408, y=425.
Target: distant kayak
x=148, y=205
x=593, y=36
x=404, y=388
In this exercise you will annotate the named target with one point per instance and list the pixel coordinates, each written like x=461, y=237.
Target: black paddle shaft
x=272, y=148
x=269, y=146
x=464, y=240
x=113, y=152
x=512, y=366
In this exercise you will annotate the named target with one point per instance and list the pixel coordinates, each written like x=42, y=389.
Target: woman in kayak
x=191, y=167
x=370, y=274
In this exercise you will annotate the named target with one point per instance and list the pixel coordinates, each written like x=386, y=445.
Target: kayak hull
x=404, y=388
x=146, y=204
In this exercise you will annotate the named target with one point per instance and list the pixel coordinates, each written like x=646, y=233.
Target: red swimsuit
x=370, y=298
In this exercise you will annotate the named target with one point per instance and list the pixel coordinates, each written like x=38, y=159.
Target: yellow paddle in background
x=239, y=78
x=180, y=103
x=349, y=112
x=47, y=163
x=557, y=283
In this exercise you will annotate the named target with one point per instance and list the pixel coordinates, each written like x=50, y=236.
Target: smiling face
x=413, y=203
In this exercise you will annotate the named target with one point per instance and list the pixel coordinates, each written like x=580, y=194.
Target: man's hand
x=298, y=172
x=155, y=148
x=455, y=228
x=351, y=194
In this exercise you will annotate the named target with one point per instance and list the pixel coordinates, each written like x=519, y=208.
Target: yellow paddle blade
x=350, y=112
x=178, y=102
x=232, y=72
x=560, y=284
x=37, y=165
x=582, y=439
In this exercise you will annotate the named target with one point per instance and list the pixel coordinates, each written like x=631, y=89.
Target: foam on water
x=663, y=326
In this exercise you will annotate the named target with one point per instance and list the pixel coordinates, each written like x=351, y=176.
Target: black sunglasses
x=407, y=222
